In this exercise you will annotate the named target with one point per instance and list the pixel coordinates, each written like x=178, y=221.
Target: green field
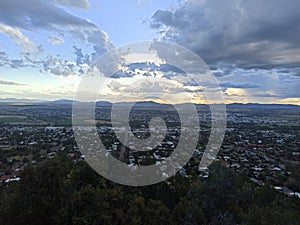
x=12, y=119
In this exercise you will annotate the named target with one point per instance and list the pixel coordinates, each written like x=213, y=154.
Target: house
x=6, y=177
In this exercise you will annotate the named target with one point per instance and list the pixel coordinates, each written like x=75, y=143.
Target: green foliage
x=60, y=192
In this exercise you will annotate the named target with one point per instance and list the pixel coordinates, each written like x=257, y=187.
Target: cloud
x=148, y=69
x=267, y=95
x=74, y=3
x=3, y=59
x=8, y=62
x=260, y=84
x=11, y=83
x=246, y=33
x=143, y=3
x=55, y=40
x=40, y=14
x=32, y=16
x=55, y=65
x=17, y=37
x=151, y=88
x=237, y=92
x=79, y=55
x=58, y=66
x=228, y=84
x=100, y=42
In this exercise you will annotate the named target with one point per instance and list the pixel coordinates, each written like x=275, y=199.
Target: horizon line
x=28, y=100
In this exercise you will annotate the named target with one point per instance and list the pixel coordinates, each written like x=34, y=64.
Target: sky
x=252, y=47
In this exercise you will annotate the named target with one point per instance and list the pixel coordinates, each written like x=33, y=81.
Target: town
x=261, y=141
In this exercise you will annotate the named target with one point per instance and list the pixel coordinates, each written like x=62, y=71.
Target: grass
x=12, y=119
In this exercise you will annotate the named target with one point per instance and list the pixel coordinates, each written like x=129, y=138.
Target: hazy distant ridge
x=146, y=103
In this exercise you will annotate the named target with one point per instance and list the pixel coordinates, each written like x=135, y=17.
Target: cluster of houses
x=263, y=159
x=260, y=154
x=21, y=145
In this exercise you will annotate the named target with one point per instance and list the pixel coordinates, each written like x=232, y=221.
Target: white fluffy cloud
x=74, y=3
x=18, y=37
x=55, y=40
x=33, y=16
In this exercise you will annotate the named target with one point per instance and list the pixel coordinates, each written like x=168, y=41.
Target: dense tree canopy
x=61, y=192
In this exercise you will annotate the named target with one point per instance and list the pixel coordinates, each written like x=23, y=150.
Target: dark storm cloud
x=249, y=34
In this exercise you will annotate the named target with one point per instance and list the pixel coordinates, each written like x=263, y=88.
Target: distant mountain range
x=23, y=100
x=258, y=105
x=146, y=103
